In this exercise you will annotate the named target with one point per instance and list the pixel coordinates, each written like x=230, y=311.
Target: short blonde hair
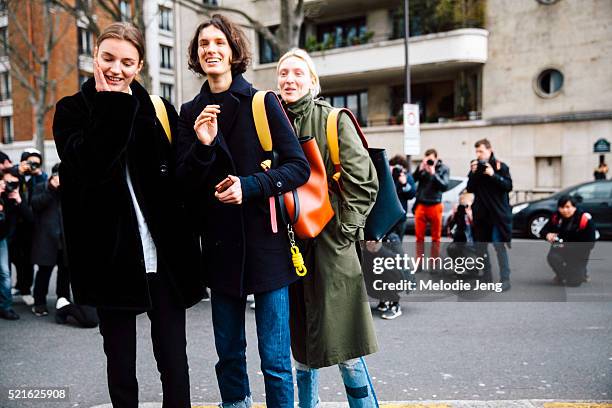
x=299, y=53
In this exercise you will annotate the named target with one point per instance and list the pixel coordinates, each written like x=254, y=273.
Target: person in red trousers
x=432, y=178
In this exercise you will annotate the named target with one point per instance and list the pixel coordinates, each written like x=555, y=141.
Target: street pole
x=406, y=36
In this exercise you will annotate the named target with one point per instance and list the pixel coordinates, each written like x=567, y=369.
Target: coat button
x=279, y=184
x=163, y=170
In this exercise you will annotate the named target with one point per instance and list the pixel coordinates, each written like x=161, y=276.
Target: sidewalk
x=434, y=404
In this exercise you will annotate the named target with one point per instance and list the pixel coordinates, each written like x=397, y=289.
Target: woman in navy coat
x=241, y=253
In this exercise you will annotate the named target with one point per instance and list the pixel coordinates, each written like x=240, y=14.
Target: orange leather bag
x=307, y=209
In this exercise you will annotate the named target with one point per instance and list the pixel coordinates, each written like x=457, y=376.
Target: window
x=357, y=102
x=549, y=83
x=266, y=52
x=594, y=191
x=211, y=2
x=165, y=18
x=3, y=40
x=165, y=60
x=7, y=130
x=547, y=2
x=85, y=41
x=5, y=86
x=126, y=10
x=3, y=6
x=343, y=33
x=167, y=91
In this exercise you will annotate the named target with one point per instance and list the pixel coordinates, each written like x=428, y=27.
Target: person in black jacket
x=571, y=232
x=30, y=174
x=129, y=247
x=47, y=250
x=12, y=208
x=432, y=178
x=490, y=181
x=220, y=161
x=405, y=188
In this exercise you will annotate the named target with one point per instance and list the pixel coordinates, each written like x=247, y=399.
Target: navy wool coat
x=241, y=254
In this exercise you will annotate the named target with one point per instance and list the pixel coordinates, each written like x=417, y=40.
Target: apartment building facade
x=532, y=76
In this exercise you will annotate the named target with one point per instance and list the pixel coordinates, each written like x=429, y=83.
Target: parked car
x=593, y=197
x=450, y=197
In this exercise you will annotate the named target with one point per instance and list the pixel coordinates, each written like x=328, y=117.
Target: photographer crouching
x=565, y=228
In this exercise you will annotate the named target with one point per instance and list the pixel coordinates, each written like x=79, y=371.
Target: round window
x=549, y=83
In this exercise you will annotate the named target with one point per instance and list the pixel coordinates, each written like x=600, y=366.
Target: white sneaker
x=15, y=292
x=394, y=311
x=252, y=305
x=28, y=300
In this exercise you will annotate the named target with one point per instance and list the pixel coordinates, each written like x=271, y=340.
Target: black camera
x=34, y=165
x=430, y=162
x=397, y=171
x=481, y=167
x=11, y=186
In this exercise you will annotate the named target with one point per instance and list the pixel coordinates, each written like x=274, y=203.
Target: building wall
x=525, y=37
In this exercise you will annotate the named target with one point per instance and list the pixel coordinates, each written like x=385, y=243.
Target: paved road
x=435, y=351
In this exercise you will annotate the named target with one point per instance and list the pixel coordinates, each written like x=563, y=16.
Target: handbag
x=387, y=210
x=307, y=209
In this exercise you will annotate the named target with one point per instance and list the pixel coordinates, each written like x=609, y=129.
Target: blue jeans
x=357, y=382
x=6, y=299
x=502, y=254
x=274, y=341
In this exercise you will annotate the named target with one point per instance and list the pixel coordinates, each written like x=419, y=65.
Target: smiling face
x=120, y=63
x=214, y=52
x=567, y=210
x=294, y=79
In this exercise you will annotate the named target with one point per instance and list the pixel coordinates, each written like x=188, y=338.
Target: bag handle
x=332, y=137
x=162, y=115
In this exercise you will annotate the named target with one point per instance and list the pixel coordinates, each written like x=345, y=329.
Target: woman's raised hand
x=101, y=84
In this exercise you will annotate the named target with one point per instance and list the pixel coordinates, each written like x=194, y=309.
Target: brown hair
x=241, y=54
x=401, y=160
x=431, y=151
x=483, y=142
x=127, y=32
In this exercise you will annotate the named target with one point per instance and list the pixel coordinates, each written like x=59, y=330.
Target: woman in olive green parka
x=331, y=321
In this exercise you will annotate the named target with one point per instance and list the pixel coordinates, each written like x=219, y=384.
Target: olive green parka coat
x=331, y=320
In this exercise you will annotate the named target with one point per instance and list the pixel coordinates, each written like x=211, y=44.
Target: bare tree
x=85, y=11
x=284, y=38
x=30, y=58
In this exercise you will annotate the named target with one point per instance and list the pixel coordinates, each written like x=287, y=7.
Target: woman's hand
x=101, y=84
x=233, y=195
x=206, y=124
x=551, y=237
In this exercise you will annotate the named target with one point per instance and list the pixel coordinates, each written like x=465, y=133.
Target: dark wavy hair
x=241, y=53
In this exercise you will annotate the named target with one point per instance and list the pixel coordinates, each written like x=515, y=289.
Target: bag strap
x=332, y=137
x=162, y=115
x=262, y=126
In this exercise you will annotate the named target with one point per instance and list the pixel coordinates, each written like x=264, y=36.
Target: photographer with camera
x=565, y=228
x=47, y=249
x=404, y=186
x=432, y=178
x=490, y=181
x=30, y=174
x=12, y=208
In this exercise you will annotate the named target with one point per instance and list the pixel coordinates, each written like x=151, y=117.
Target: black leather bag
x=387, y=210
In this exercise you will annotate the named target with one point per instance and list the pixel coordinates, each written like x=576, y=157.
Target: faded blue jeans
x=6, y=299
x=359, y=390
x=274, y=342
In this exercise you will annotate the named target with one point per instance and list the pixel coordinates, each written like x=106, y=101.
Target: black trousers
x=41, y=283
x=569, y=263
x=19, y=255
x=118, y=329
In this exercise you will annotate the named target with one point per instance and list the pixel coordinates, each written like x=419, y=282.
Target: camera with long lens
x=430, y=162
x=397, y=170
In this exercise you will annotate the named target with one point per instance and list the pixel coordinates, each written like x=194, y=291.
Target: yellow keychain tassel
x=296, y=255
